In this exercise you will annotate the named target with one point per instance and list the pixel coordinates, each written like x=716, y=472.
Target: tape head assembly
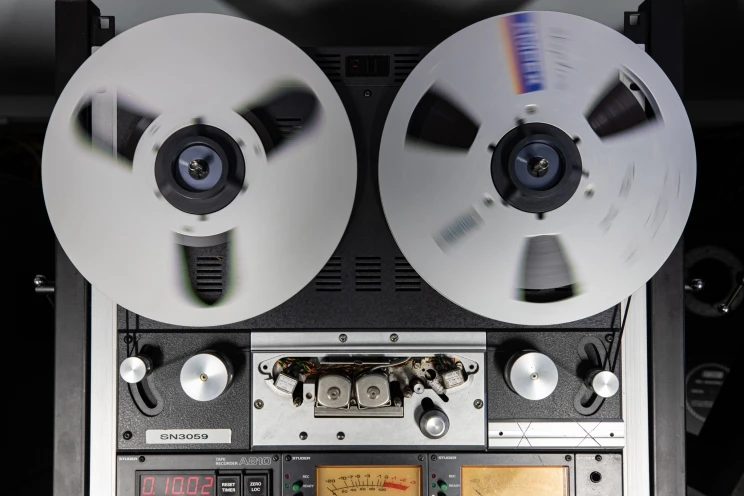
x=206, y=154
x=537, y=168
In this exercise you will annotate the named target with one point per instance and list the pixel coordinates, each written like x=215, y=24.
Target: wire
x=620, y=337
x=389, y=365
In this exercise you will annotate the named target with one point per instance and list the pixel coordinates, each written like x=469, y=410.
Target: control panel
x=372, y=474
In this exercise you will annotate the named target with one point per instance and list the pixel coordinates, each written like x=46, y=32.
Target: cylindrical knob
x=531, y=375
x=417, y=386
x=434, y=424
x=603, y=382
x=135, y=368
x=206, y=376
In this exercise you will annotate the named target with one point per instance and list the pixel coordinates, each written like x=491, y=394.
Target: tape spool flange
x=522, y=177
x=207, y=130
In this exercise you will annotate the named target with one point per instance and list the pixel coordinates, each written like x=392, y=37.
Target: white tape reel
x=482, y=187
x=125, y=228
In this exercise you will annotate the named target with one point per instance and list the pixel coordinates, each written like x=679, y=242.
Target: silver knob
x=434, y=424
x=135, y=368
x=206, y=376
x=603, y=382
x=417, y=386
x=531, y=375
x=696, y=285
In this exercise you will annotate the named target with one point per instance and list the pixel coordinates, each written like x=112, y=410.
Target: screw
x=373, y=392
x=534, y=376
x=203, y=377
x=343, y=338
x=488, y=201
x=141, y=459
x=258, y=404
x=297, y=401
x=530, y=109
x=340, y=436
x=394, y=338
x=334, y=393
x=568, y=458
x=367, y=93
x=309, y=396
x=478, y=404
x=303, y=435
x=288, y=458
x=422, y=458
x=589, y=191
x=433, y=458
x=609, y=338
x=598, y=458
x=275, y=458
x=198, y=169
x=127, y=339
x=127, y=435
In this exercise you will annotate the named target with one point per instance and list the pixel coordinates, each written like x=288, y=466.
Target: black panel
x=231, y=410
x=667, y=375
x=71, y=378
x=666, y=337
x=563, y=348
x=72, y=296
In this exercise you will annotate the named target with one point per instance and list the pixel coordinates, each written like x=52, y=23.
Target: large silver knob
x=206, y=376
x=603, y=382
x=135, y=368
x=531, y=375
x=434, y=424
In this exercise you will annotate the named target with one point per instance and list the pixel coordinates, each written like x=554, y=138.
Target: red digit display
x=177, y=481
x=148, y=486
x=189, y=489
x=176, y=484
x=208, y=487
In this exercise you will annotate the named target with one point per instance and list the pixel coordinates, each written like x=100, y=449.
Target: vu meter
x=514, y=481
x=393, y=480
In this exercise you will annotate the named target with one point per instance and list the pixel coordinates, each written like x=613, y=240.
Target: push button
x=228, y=485
x=256, y=485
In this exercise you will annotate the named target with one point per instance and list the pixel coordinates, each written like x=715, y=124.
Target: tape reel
x=521, y=175
x=217, y=132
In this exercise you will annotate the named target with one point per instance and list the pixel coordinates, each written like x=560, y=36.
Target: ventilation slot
x=288, y=126
x=403, y=64
x=330, y=64
x=368, y=274
x=329, y=278
x=406, y=278
x=209, y=277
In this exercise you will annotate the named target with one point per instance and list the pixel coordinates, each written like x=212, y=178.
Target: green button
x=296, y=486
x=443, y=485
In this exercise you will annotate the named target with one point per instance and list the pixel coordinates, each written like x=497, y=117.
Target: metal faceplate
x=277, y=422
x=582, y=470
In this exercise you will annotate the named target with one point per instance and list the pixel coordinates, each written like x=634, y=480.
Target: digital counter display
x=176, y=484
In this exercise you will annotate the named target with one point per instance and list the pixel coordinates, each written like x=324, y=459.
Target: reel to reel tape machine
x=412, y=256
